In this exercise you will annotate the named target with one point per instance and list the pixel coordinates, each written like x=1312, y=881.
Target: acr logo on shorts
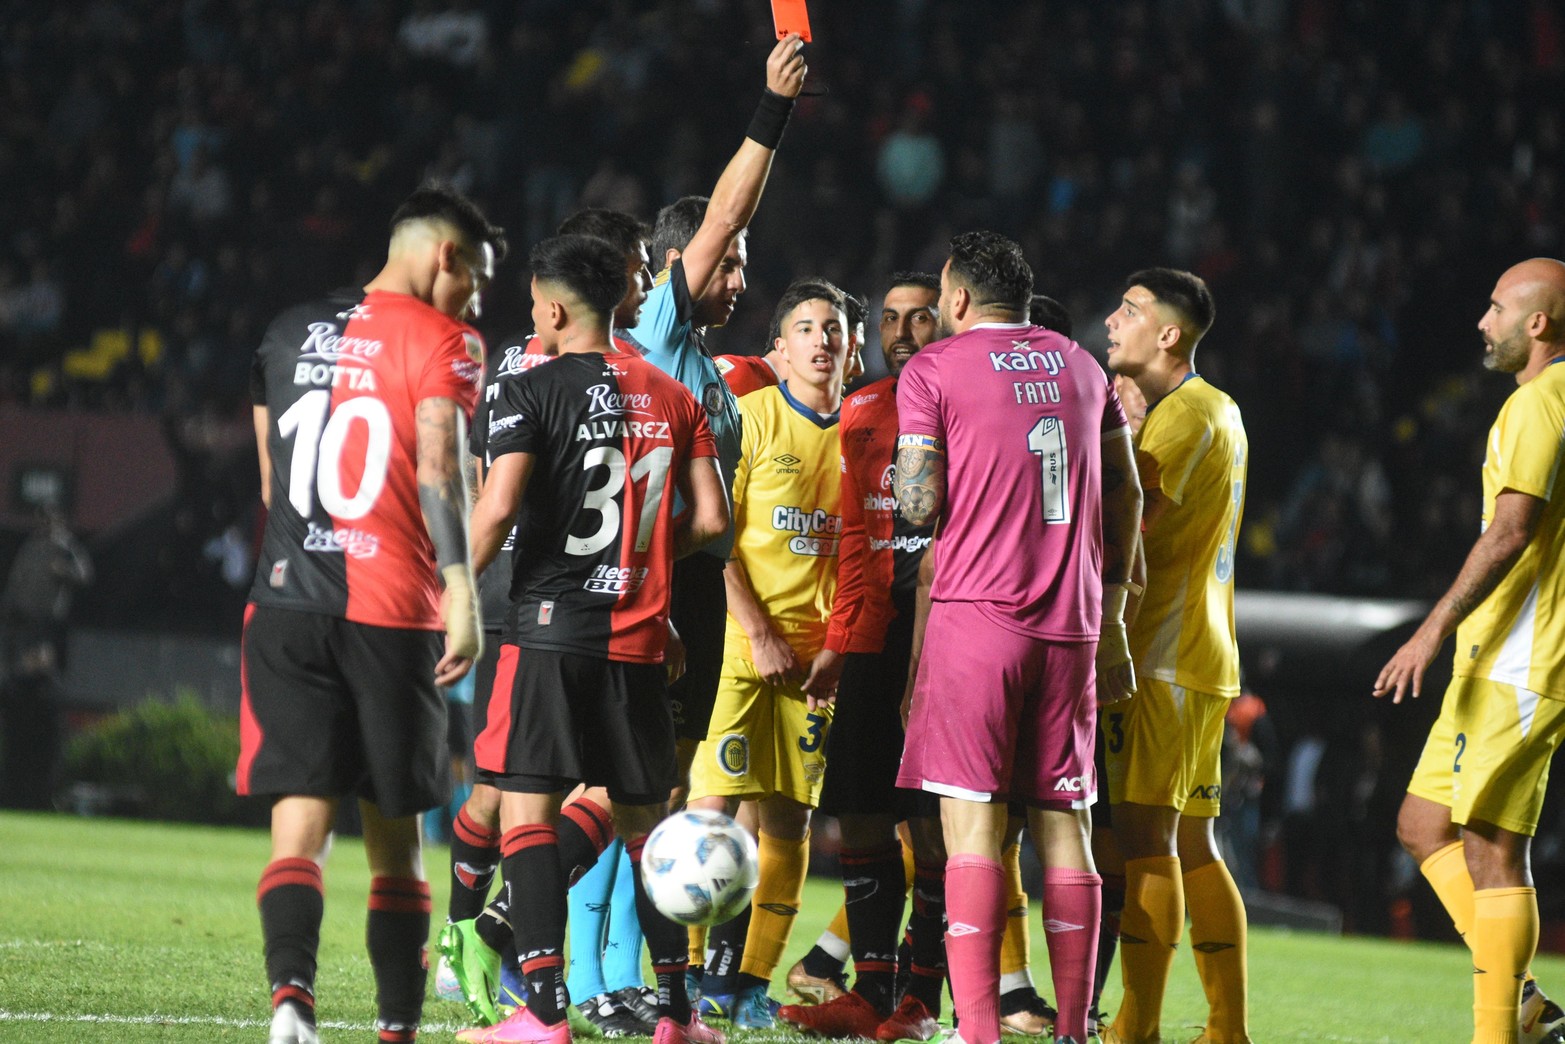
x=733, y=754
x=1211, y=793
x=1074, y=784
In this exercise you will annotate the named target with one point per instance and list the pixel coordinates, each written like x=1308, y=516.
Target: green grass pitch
x=126, y=931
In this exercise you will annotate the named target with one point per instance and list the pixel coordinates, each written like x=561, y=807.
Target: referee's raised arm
x=738, y=190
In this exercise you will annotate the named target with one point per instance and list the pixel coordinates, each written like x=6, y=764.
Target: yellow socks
x=1446, y=872
x=1149, y=933
x=697, y=946
x=1218, y=936
x=784, y=864
x=1503, y=939
x=1015, y=947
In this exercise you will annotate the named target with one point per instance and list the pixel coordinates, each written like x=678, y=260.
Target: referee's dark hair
x=922, y=280
x=587, y=267
x=1048, y=313
x=993, y=270
x=676, y=226
x=624, y=232
x=439, y=201
x=1185, y=293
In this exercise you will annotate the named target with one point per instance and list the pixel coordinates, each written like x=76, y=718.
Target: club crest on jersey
x=733, y=754
x=712, y=398
x=355, y=543
x=279, y=577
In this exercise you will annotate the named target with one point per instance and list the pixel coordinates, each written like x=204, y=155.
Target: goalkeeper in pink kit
x=1012, y=439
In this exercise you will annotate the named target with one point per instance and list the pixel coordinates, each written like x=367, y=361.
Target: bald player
x=1472, y=806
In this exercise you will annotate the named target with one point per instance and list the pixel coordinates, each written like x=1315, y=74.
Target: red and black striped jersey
x=341, y=380
x=609, y=436
x=878, y=558
x=503, y=365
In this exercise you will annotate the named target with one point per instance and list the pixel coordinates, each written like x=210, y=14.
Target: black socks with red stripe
x=395, y=934
x=873, y=883
x=475, y=853
x=535, y=890
x=291, y=904
x=668, y=944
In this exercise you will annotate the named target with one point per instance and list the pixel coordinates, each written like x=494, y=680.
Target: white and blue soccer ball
x=699, y=867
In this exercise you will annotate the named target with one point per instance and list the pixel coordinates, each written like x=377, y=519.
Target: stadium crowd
x=1339, y=172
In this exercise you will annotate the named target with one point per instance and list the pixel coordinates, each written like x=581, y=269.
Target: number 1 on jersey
x=1047, y=439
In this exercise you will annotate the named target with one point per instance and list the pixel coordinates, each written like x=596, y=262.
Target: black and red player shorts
x=331, y=707
x=573, y=718
x=864, y=749
x=698, y=608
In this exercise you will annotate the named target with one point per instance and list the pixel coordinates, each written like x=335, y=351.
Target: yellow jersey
x=1193, y=448
x=1517, y=635
x=787, y=516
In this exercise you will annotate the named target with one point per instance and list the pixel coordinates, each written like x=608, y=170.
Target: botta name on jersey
x=817, y=530
x=323, y=352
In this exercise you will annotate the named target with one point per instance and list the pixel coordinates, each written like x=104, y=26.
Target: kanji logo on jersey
x=1023, y=356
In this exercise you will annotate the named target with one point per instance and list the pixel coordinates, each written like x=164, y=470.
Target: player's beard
x=943, y=326
x=1508, y=355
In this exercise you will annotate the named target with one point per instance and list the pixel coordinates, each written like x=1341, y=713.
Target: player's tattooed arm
x=921, y=477
x=442, y=488
x=1510, y=530
x=475, y=479
x=442, y=497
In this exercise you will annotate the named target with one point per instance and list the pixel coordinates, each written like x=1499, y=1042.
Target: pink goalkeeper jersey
x=1023, y=412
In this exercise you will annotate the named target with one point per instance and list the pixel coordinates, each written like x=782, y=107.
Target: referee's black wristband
x=770, y=119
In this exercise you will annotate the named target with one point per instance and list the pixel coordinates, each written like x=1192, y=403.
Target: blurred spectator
x=35, y=605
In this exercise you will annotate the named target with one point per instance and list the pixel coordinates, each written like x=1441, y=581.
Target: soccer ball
x=699, y=867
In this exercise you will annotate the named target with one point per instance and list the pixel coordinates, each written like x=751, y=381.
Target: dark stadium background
x=1349, y=176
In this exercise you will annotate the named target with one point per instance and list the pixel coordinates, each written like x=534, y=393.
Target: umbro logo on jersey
x=961, y=928
x=787, y=460
x=1055, y=927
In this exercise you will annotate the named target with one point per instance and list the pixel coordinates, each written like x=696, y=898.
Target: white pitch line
x=192, y=1020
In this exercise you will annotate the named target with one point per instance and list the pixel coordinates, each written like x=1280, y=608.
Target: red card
x=791, y=16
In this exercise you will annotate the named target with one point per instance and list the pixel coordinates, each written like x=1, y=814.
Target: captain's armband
x=926, y=442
